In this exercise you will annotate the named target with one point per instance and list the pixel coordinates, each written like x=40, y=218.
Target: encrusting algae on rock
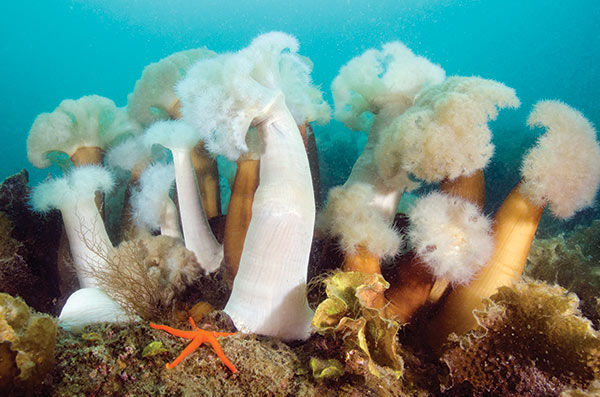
x=27, y=342
x=573, y=262
x=531, y=340
x=112, y=362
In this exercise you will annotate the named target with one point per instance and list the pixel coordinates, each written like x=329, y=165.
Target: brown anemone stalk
x=310, y=144
x=362, y=260
x=239, y=213
x=410, y=289
x=414, y=284
x=514, y=228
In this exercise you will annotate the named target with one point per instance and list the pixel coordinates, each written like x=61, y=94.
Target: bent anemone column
x=222, y=98
x=278, y=241
x=180, y=138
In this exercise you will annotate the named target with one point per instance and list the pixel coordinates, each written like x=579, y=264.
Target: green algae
x=153, y=348
x=326, y=368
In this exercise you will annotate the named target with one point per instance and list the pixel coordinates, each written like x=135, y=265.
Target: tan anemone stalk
x=154, y=99
x=562, y=170
x=247, y=89
x=207, y=177
x=369, y=93
x=469, y=187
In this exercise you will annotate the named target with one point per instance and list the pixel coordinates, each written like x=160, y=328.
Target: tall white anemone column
x=180, y=139
x=269, y=291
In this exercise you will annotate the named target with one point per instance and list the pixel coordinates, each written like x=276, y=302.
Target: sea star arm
x=217, y=348
x=189, y=349
x=174, y=331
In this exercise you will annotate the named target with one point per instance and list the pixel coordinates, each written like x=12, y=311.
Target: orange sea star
x=198, y=337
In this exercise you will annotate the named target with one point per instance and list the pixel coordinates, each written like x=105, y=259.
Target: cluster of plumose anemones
x=253, y=108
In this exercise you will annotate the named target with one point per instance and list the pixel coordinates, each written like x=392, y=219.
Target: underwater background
x=67, y=49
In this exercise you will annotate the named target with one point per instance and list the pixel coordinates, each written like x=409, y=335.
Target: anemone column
x=269, y=291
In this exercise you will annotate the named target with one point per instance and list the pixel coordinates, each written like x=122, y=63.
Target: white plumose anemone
x=152, y=206
x=222, y=98
x=74, y=195
x=370, y=92
x=450, y=236
x=563, y=168
x=180, y=138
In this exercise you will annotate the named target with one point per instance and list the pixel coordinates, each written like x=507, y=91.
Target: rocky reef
x=28, y=247
x=130, y=360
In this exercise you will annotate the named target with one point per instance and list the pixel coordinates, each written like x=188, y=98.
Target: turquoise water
x=53, y=50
